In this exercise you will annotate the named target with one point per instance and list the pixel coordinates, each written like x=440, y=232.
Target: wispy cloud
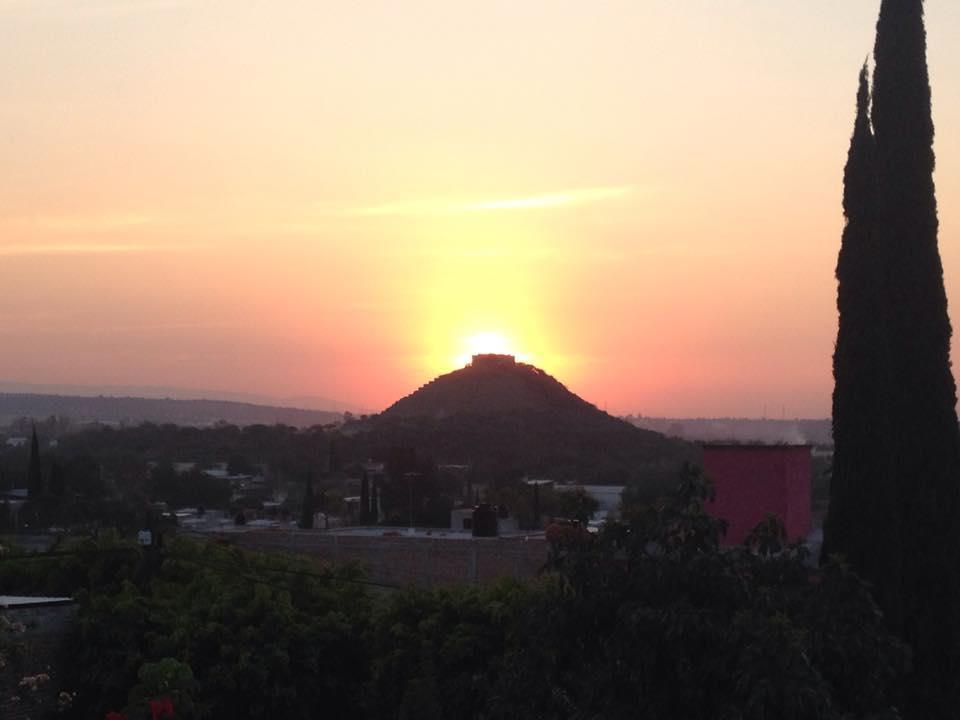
x=40, y=249
x=96, y=223
x=80, y=223
x=70, y=9
x=448, y=206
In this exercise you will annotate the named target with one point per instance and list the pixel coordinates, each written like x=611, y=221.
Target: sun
x=486, y=343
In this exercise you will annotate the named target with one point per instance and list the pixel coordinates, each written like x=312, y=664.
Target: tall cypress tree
x=56, y=485
x=862, y=491
x=34, y=469
x=365, y=497
x=922, y=392
x=896, y=493
x=308, y=507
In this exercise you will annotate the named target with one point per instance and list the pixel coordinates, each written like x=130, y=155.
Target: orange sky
x=322, y=198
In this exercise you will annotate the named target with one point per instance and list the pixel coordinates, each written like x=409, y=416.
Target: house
x=752, y=481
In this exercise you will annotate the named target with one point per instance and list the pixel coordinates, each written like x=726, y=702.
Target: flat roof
x=27, y=601
x=588, y=488
x=755, y=445
x=406, y=532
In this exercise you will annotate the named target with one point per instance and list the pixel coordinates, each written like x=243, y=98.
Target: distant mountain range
x=505, y=417
x=812, y=431
x=469, y=392
x=160, y=392
x=135, y=410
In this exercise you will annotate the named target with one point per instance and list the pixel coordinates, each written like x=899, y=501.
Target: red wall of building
x=753, y=480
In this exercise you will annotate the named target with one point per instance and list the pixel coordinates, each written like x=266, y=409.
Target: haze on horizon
x=339, y=199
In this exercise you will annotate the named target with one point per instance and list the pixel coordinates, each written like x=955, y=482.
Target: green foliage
x=435, y=654
x=650, y=619
x=99, y=565
x=260, y=636
x=413, y=490
x=658, y=622
x=519, y=499
x=194, y=488
x=577, y=505
x=167, y=678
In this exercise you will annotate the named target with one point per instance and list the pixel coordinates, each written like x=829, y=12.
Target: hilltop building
x=493, y=360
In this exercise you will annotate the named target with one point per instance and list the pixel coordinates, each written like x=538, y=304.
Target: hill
x=133, y=410
x=510, y=419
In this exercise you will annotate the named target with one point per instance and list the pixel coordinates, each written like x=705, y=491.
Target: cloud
x=75, y=9
x=99, y=223
x=43, y=249
x=79, y=223
x=51, y=326
x=447, y=206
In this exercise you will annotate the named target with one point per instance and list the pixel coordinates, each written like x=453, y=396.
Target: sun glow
x=487, y=343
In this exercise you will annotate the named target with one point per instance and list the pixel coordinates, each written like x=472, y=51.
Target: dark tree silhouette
x=57, y=484
x=364, y=497
x=334, y=461
x=897, y=471
x=862, y=495
x=922, y=390
x=34, y=469
x=306, y=511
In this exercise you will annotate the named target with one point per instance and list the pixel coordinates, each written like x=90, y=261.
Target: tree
x=651, y=619
x=240, y=465
x=279, y=647
x=307, y=509
x=862, y=490
x=168, y=679
x=334, y=460
x=923, y=395
x=897, y=511
x=34, y=469
x=57, y=483
x=365, y=512
x=657, y=620
x=577, y=504
x=85, y=477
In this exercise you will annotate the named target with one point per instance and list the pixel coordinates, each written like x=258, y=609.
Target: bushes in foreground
x=650, y=620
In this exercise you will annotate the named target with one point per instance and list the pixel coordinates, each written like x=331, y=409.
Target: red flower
x=161, y=708
x=115, y=716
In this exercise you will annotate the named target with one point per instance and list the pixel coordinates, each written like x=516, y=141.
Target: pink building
x=754, y=480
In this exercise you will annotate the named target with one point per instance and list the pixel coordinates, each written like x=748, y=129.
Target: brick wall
x=399, y=560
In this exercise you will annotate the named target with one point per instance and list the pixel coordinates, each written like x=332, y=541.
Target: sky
x=344, y=200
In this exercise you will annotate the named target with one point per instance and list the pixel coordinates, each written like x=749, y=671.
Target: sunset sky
x=344, y=199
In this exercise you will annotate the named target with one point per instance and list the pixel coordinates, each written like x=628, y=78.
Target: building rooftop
x=755, y=445
x=27, y=601
x=492, y=360
x=439, y=533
